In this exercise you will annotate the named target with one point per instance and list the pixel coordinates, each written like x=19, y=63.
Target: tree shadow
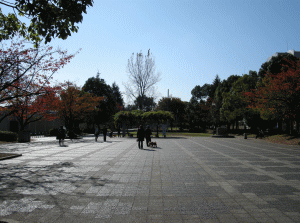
x=54, y=181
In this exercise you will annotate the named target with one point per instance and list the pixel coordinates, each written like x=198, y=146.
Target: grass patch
x=284, y=139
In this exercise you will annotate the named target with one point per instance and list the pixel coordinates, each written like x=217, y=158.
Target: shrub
x=8, y=136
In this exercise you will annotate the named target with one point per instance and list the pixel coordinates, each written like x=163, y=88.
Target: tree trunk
x=280, y=126
x=288, y=126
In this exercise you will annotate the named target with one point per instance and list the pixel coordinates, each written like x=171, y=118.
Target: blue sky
x=192, y=41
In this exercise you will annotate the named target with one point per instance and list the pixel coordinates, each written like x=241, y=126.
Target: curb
x=10, y=156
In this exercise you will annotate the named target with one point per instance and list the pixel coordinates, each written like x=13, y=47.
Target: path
x=183, y=180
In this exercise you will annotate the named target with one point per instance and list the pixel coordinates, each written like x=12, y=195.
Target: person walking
x=96, y=133
x=119, y=132
x=104, y=133
x=148, y=134
x=140, y=136
x=61, y=135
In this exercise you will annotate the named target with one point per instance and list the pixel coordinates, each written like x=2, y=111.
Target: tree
x=142, y=78
x=117, y=95
x=277, y=97
x=148, y=103
x=25, y=72
x=32, y=108
x=48, y=19
x=201, y=109
x=224, y=87
x=108, y=106
x=174, y=105
x=276, y=65
x=158, y=117
x=75, y=105
x=198, y=114
x=235, y=106
x=207, y=90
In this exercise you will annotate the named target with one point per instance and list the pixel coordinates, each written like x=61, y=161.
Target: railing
x=37, y=135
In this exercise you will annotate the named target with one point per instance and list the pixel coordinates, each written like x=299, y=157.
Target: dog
x=153, y=144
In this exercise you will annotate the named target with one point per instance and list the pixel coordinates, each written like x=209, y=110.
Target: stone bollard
x=245, y=135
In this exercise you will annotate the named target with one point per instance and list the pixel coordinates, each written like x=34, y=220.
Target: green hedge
x=8, y=136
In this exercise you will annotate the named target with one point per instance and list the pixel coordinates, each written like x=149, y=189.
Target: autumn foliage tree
x=278, y=95
x=33, y=108
x=74, y=105
x=21, y=62
x=25, y=74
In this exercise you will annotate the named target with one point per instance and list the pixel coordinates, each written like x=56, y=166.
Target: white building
x=292, y=52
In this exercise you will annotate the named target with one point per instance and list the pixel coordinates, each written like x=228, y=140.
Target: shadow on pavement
x=57, y=179
x=148, y=149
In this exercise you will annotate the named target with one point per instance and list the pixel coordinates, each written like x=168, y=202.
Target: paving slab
x=182, y=180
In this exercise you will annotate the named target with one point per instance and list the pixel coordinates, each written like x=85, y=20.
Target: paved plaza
x=201, y=179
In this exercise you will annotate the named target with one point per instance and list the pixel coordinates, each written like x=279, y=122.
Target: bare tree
x=142, y=77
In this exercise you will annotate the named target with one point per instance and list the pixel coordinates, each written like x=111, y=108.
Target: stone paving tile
x=184, y=180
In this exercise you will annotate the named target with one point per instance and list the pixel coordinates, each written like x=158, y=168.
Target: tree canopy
x=25, y=74
x=74, y=104
x=278, y=96
x=47, y=19
x=142, y=78
x=112, y=97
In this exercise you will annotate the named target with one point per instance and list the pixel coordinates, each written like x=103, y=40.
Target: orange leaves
x=278, y=95
x=75, y=104
x=25, y=80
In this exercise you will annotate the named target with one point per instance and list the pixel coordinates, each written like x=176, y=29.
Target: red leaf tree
x=25, y=74
x=75, y=105
x=278, y=95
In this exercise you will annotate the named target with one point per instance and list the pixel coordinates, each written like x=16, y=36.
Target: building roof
x=292, y=52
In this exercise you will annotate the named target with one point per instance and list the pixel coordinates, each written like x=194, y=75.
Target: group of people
x=142, y=134
x=97, y=133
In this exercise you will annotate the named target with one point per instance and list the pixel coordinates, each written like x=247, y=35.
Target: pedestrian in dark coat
x=148, y=134
x=140, y=136
x=104, y=134
x=96, y=133
x=119, y=131
x=61, y=135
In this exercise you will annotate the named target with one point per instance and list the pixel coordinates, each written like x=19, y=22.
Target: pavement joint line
x=248, y=164
x=228, y=188
x=269, y=158
x=171, y=167
x=282, y=161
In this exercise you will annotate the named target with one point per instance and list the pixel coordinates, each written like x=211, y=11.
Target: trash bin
x=245, y=135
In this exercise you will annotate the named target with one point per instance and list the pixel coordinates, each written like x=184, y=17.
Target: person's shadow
x=148, y=149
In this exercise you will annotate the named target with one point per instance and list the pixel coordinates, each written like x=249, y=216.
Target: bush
x=8, y=136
